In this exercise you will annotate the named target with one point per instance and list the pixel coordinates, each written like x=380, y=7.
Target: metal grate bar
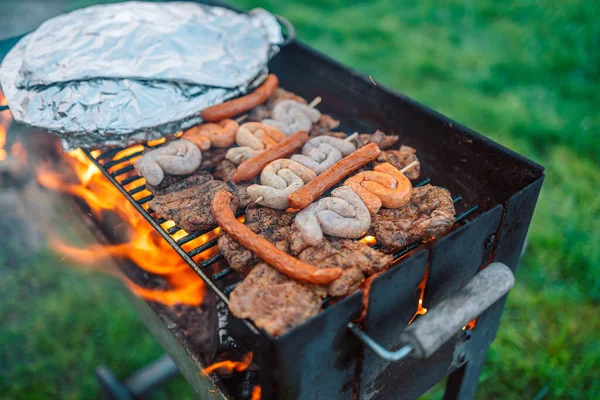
x=173, y=229
x=130, y=179
x=223, y=273
x=422, y=183
x=122, y=160
x=230, y=288
x=122, y=171
x=203, y=247
x=137, y=189
x=146, y=199
x=108, y=154
x=211, y=260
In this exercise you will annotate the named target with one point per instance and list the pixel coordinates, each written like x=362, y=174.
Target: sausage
x=266, y=251
x=252, y=167
x=315, y=188
x=242, y=104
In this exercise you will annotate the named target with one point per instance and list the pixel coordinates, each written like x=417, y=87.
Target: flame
x=5, y=121
x=145, y=247
x=369, y=240
x=256, y=393
x=421, y=288
x=471, y=325
x=228, y=366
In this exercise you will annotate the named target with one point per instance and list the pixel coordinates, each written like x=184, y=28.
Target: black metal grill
x=106, y=160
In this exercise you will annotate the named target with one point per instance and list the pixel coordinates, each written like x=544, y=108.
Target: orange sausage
x=347, y=165
x=242, y=104
x=266, y=251
x=201, y=141
x=252, y=167
x=394, y=197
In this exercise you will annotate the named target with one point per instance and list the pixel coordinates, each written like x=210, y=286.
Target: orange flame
x=256, y=393
x=5, y=121
x=145, y=247
x=421, y=288
x=471, y=325
x=228, y=366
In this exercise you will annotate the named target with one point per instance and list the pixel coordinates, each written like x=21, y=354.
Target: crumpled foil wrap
x=114, y=75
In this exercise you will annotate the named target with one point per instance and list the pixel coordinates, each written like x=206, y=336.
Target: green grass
x=524, y=73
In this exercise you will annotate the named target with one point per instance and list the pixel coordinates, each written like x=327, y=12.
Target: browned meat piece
x=273, y=224
x=401, y=158
x=273, y=301
x=190, y=208
x=380, y=138
x=224, y=172
x=264, y=111
x=174, y=183
x=324, y=125
x=211, y=158
x=357, y=259
x=430, y=212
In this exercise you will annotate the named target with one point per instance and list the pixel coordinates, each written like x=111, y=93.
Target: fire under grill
x=495, y=191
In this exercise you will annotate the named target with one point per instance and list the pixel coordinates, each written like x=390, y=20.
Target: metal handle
x=291, y=31
x=3, y=108
x=423, y=337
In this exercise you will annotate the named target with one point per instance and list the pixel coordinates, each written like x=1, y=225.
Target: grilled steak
x=174, y=183
x=190, y=207
x=381, y=139
x=430, y=212
x=224, y=171
x=357, y=259
x=211, y=158
x=401, y=158
x=273, y=301
x=323, y=125
x=273, y=224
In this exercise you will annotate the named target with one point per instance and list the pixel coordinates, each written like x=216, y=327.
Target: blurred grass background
x=525, y=73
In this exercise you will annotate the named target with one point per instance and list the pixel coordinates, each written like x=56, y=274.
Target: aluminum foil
x=122, y=73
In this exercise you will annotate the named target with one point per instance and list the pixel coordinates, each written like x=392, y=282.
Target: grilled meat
x=357, y=259
x=211, y=158
x=430, y=212
x=224, y=171
x=400, y=159
x=273, y=301
x=323, y=125
x=174, y=183
x=273, y=224
x=382, y=140
x=190, y=207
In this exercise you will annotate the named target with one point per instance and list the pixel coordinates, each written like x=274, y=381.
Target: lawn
x=524, y=73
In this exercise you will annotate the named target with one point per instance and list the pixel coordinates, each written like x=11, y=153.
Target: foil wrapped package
x=112, y=75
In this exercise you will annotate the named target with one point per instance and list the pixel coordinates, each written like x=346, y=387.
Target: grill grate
x=125, y=175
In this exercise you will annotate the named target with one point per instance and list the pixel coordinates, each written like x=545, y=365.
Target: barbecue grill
x=330, y=357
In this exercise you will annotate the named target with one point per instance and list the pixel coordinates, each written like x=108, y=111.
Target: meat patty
x=324, y=125
x=380, y=138
x=273, y=224
x=401, y=158
x=430, y=212
x=175, y=183
x=273, y=301
x=190, y=207
x=224, y=171
x=211, y=158
x=356, y=259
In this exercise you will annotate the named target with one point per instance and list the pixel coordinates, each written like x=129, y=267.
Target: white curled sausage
x=179, y=157
x=238, y=155
x=322, y=152
x=289, y=116
x=342, y=215
x=279, y=179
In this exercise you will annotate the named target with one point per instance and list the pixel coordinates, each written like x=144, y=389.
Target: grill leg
x=462, y=383
x=138, y=383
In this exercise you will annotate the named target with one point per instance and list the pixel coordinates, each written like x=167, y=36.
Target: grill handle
x=428, y=333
